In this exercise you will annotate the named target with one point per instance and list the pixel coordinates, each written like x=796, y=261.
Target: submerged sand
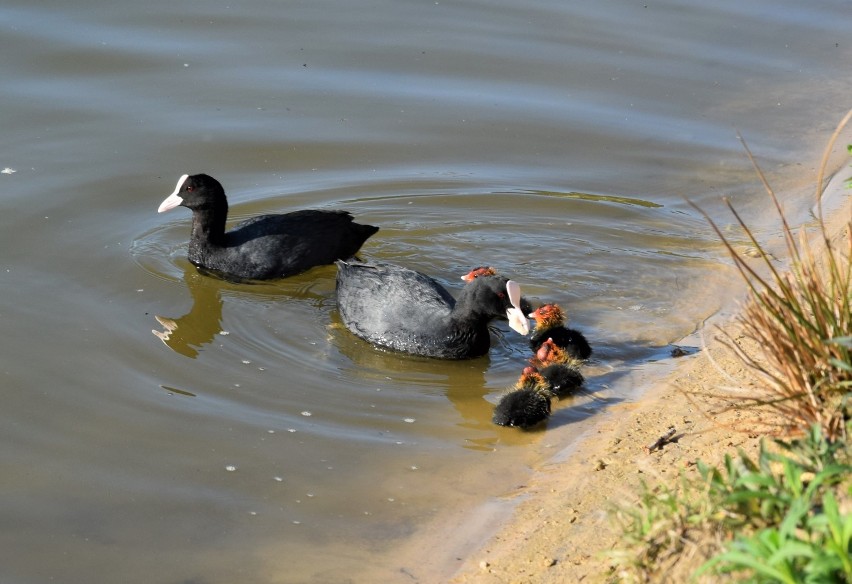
x=559, y=530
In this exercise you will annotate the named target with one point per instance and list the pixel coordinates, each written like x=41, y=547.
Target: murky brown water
x=258, y=441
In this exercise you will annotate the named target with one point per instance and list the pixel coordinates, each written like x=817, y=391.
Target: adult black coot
x=550, y=324
x=405, y=310
x=527, y=404
x=263, y=247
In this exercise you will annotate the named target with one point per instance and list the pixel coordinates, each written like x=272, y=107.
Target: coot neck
x=473, y=307
x=467, y=314
x=468, y=327
x=208, y=226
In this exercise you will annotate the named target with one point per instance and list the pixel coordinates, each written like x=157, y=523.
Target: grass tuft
x=786, y=516
x=800, y=320
x=779, y=518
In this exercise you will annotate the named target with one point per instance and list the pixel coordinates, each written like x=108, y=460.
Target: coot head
x=477, y=272
x=549, y=323
x=558, y=368
x=485, y=271
x=531, y=379
x=493, y=296
x=197, y=192
x=549, y=352
x=548, y=316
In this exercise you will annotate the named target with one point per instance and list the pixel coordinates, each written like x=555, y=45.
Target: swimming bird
x=560, y=370
x=404, y=310
x=527, y=404
x=550, y=324
x=266, y=246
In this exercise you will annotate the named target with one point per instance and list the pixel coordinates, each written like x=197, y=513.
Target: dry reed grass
x=800, y=321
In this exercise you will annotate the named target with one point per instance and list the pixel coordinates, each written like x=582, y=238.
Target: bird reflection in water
x=187, y=334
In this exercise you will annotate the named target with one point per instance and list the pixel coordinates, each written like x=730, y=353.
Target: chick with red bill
x=559, y=369
x=550, y=322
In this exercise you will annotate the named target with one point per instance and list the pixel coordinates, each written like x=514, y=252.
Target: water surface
x=252, y=439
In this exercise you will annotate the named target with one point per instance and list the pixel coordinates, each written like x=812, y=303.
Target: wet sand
x=559, y=528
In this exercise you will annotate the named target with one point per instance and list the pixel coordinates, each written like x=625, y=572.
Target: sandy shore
x=559, y=528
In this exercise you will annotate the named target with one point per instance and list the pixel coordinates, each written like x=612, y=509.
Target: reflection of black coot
x=188, y=334
x=264, y=247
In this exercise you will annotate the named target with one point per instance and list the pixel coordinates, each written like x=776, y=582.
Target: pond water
x=253, y=439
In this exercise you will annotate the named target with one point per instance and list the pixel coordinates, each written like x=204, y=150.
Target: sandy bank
x=559, y=528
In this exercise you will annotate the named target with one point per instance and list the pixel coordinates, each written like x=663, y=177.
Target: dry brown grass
x=800, y=321
x=793, y=338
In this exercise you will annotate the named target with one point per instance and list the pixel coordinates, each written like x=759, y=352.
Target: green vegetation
x=774, y=520
x=786, y=517
x=785, y=512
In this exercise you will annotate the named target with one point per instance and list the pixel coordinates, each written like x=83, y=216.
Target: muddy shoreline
x=558, y=530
